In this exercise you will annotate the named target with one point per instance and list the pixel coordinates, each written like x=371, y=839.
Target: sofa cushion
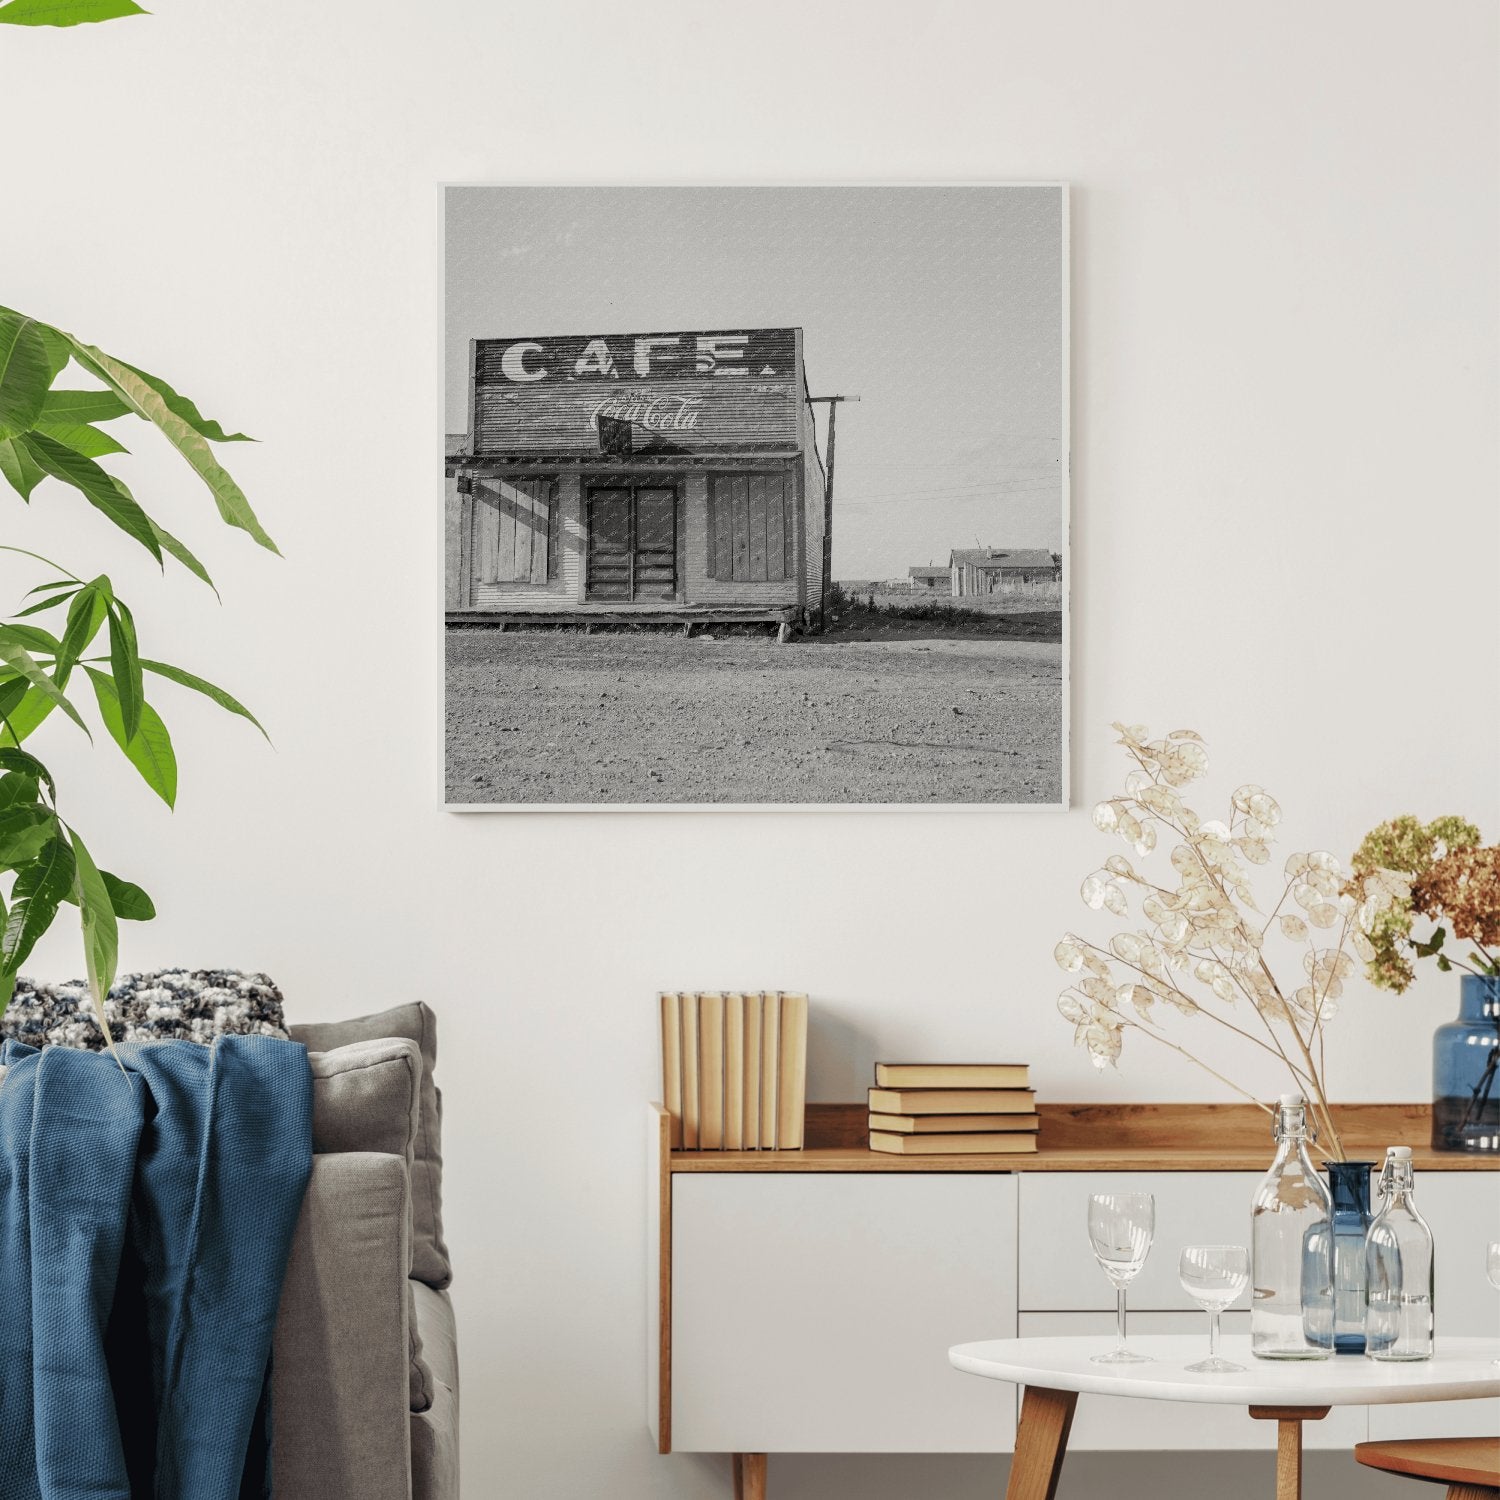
x=434, y=1432
x=367, y=1097
x=417, y=1023
x=194, y=1005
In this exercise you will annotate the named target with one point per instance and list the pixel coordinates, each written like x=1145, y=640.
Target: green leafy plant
x=55, y=431
x=66, y=12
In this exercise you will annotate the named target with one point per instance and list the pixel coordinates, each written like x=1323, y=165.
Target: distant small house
x=994, y=570
x=931, y=580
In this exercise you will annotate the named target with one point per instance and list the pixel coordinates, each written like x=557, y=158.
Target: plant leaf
x=41, y=606
x=202, y=685
x=101, y=933
x=130, y=902
x=17, y=789
x=80, y=437
x=32, y=637
x=100, y=488
x=85, y=615
x=28, y=765
x=144, y=397
x=125, y=665
x=169, y=543
x=149, y=750
x=23, y=832
x=66, y=12
x=24, y=371
x=11, y=694
x=21, y=659
x=182, y=407
x=34, y=901
x=83, y=406
x=21, y=470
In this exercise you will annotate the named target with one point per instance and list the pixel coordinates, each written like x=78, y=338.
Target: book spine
x=754, y=1045
x=671, y=1065
x=711, y=1072
x=792, y=1092
x=734, y=1072
x=770, y=1066
x=689, y=1072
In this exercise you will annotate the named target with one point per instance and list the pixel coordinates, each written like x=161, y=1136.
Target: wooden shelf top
x=1104, y=1138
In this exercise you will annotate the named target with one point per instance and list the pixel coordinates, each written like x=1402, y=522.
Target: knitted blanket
x=196, y=1005
x=146, y=1216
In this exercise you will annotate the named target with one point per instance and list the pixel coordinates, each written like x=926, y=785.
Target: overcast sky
x=941, y=308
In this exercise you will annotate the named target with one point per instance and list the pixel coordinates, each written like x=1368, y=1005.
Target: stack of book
x=734, y=1070
x=945, y=1109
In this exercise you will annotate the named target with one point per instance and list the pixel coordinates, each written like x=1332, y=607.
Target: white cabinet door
x=1463, y=1209
x=814, y=1312
x=1058, y=1269
x=1118, y=1423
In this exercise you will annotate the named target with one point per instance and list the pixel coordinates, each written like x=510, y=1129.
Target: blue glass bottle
x=1349, y=1182
x=1466, y=1071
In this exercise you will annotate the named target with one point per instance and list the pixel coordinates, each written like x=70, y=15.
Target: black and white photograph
x=756, y=496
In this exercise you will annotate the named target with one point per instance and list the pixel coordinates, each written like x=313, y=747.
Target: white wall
x=1285, y=535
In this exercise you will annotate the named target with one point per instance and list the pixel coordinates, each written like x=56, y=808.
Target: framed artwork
x=755, y=497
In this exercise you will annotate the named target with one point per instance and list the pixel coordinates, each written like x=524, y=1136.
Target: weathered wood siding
x=455, y=514
x=707, y=549
x=700, y=392
x=565, y=545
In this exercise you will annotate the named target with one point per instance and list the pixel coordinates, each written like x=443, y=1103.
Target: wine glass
x=1492, y=1268
x=1120, y=1229
x=1213, y=1276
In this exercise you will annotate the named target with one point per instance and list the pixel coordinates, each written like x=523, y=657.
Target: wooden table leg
x=749, y=1476
x=1289, y=1420
x=1472, y=1492
x=1041, y=1442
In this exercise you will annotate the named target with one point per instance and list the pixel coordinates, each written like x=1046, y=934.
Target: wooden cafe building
x=636, y=477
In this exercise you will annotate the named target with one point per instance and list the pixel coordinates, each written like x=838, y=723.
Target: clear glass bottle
x=1291, y=1248
x=1398, y=1270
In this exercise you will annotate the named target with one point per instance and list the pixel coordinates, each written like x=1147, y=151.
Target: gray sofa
x=365, y=1369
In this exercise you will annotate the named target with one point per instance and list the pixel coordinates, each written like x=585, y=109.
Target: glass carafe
x=1398, y=1270
x=1291, y=1249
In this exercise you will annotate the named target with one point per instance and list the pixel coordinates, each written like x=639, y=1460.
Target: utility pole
x=833, y=411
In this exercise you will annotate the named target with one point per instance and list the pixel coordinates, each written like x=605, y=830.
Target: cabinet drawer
x=1120, y=1423
x=1463, y=1209
x=1058, y=1269
x=814, y=1312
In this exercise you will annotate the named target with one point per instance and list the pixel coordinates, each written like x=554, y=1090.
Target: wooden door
x=609, y=544
x=633, y=543
x=655, y=552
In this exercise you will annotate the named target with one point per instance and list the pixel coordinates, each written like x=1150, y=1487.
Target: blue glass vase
x=1349, y=1183
x=1466, y=1071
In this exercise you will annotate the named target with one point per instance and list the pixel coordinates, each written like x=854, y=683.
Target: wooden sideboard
x=762, y=1264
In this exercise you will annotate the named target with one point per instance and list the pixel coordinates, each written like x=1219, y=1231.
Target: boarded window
x=515, y=530
x=752, y=534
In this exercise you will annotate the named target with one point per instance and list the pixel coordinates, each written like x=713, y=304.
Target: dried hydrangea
x=1201, y=950
x=1400, y=856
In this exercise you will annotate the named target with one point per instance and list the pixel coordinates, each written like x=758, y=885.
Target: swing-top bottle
x=1398, y=1269
x=1291, y=1248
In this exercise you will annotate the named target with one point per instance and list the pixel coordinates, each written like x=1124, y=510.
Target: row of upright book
x=953, y=1109
x=734, y=1070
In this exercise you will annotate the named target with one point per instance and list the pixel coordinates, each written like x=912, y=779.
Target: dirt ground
x=890, y=715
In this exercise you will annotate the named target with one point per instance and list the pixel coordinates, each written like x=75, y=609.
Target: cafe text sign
x=732, y=354
x=734, y=390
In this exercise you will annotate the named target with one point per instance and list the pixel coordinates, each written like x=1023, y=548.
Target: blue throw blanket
x=145, y=1221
